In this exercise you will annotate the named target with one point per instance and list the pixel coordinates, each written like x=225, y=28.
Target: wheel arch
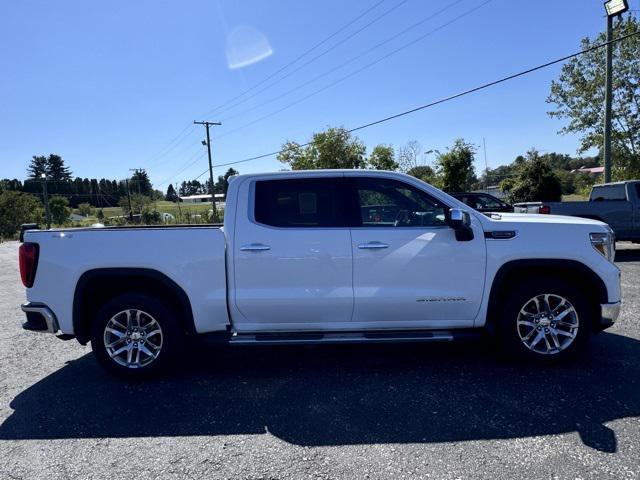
x=571, y=271
x=96, y=286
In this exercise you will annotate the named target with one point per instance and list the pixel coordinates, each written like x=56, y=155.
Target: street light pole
x=45, y=194
x=214, y=213
x=607, y=101
x=613, y=8
x=126, y=181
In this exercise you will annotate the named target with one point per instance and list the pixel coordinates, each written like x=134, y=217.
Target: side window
x=485, y=201
x=390, y=203
x=609, y=193
x=298, y=203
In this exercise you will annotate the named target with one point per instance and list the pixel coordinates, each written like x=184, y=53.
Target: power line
x=361, y=69
x=313, y=59
x=189, y=163
x=299, y=57
x=171, y=145
x=185, y=133
x=351, y=60
x=451, y=97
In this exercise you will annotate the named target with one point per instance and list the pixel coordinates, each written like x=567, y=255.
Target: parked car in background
x=325, y=256
x=617, y=204
x=482, y=202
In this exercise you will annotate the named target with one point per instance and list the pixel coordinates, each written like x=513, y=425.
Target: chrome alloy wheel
x=133, y=338
x=547, y=324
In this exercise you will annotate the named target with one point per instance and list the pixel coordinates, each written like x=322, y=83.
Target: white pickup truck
x=331, y=256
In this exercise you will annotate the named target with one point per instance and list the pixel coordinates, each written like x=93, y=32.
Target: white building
x=204, y=198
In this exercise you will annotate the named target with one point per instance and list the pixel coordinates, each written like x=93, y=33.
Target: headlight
x=604, y=242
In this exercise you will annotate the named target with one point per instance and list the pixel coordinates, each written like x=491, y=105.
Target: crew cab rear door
x=292, y=255
x=409, y=271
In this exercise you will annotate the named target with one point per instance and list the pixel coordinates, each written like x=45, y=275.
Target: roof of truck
x=322, y=173
x=622, y=182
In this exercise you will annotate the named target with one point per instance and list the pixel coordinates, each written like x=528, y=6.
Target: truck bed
x=192, y=256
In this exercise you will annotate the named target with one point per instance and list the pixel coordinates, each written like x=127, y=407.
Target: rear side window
x=608, y=193
x=299, y=203
x=487, y=201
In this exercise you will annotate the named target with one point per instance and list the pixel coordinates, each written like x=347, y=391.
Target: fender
x=123, y=280
x=508, y=274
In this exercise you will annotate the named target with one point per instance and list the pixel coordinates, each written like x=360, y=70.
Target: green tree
x=455, y=167
x=567, y=180
x=57, y=170
x=37, y=167
x=85, y=209
x=100, y=214
x=59, y=208
x=536, y=181
x=383, y=158
x=424, y=173
x=578, y=96
x=222, y=185
x=138, y=203
x=17, y=208
x=507, y=185
x=52, y=166
x=141, y=183
x=171, y=194
x=333, y=148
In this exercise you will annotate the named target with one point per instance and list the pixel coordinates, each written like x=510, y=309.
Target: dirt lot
x=420, y=411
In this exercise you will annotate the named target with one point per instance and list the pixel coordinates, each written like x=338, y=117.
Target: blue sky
x=109, y=85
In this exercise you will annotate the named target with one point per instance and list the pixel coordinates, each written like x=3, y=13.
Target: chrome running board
x=312, y=338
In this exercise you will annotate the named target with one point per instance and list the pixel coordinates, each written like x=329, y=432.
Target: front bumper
x=40, y=318
x=609, y=313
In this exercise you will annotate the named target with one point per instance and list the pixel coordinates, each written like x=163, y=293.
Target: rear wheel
x=545, y=320
x=135, y=335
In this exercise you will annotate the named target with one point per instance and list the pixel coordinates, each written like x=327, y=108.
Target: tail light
x=28, y=256
x=544, y=209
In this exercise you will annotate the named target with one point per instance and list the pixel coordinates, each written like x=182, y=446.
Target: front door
x=292, y=256
x=409, y=271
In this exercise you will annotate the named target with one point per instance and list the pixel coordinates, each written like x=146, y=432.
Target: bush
x=85, y=209
x=17, y=208
x=151, y=217
x=59, y=208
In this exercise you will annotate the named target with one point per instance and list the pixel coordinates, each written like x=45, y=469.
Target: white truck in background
x=331, y=256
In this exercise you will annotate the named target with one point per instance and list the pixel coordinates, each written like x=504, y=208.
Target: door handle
x=254, y=247
x=373, y=245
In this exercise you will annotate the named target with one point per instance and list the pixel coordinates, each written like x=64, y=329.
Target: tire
x=153, y=336
x=526, y=330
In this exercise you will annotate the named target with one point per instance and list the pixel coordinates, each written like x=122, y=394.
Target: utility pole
x=486, y=167
x=135, y=170
x=126, y=181
x=47, y=211
x=214, y=215
x=614, y=8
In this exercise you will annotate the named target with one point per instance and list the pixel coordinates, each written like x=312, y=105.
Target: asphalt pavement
x=407, y=411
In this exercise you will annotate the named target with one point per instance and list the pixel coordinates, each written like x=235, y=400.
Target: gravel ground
x=419, y=411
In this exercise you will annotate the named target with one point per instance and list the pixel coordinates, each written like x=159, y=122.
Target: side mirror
x=460, y=221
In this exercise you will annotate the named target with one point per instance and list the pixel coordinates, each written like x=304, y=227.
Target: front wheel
x=135, y=335
x=545, y=320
